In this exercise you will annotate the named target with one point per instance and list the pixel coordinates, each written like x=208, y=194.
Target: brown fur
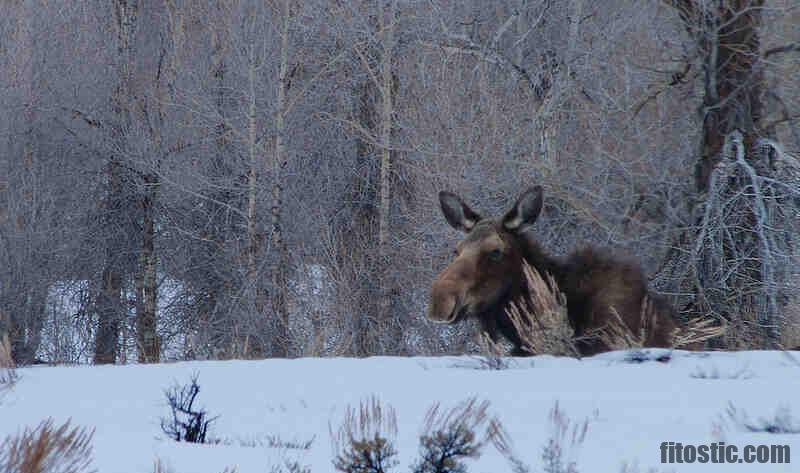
x=486, y=275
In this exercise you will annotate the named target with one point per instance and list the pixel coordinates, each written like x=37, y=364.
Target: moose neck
x=539, y=259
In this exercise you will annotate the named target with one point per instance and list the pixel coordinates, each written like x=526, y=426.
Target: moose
x=486, y=275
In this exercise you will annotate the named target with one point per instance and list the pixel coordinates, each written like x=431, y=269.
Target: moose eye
x=495, y=255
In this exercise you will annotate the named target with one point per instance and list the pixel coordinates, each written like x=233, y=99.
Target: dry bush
x=782, y=422
x=493, y=353
x=743, y=331
x=288, y=466
x=502, y=442
x=451, y=436
x=266, y=441
x=744, y=253
x=558, y=454
x=160, y=467
x=696, y=331
x=46, y=449
x=618, y=336
x=364, y=442
x=541, y=318
x=8, y=369
x=790, y=334
x=187, y=422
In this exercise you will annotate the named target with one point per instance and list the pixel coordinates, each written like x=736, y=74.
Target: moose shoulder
x=486, y=274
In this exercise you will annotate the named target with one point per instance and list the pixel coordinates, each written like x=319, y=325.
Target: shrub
x=268, y=441
x=289, y=466
x=618, y=336
x=541, y=318
x=160, y=467
x=558, y=454
x=492, y=354
x=47, y=449
x=364, y=442
x=714, y=372
x=451, y=436
x=186, y=423
x=781, y=423
x=8, y=369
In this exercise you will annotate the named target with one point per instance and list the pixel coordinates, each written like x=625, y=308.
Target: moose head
x=487, y=267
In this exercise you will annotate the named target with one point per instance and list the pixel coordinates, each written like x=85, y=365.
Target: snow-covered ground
x=631, y=407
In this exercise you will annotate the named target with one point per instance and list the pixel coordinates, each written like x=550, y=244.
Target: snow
x=631, y=406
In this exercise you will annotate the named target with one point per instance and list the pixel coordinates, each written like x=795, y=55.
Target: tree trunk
x=390, y=332
x=733, y=78
x=727, y=36
x=359, y=239
x=26, y=287
x=108, y=302
x=252, y=337
x=280, y=288
x=146, y=291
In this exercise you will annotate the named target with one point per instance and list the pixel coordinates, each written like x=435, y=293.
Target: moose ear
x=457, y=213
x=525, y=211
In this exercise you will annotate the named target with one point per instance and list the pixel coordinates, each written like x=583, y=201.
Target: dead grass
x=493, y=354
x=697, y=331
x=8, y=369
x=161, y=467
x=541, y=318
x=370, y=418
x=558, y=455
x=790, y=332
x=48, y=449
x=469, y=415
x=618, y=336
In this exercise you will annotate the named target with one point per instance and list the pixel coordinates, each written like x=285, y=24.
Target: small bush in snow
x=47, y=449
x=558, y=454
x=781, y=423
x=269, y=441
x=492, y=357
x=290, y=466
x=714, y=373
x=187, y=423
x=364, y=442
x=160, y=467
x=451, y=436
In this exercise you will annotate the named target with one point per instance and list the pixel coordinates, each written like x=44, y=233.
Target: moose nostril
x=441, y=309
x=443, y=301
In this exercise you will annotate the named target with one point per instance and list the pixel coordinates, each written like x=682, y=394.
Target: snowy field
x=631, y=407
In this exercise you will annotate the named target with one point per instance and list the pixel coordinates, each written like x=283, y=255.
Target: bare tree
x=252, y=178
x=740, y=258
